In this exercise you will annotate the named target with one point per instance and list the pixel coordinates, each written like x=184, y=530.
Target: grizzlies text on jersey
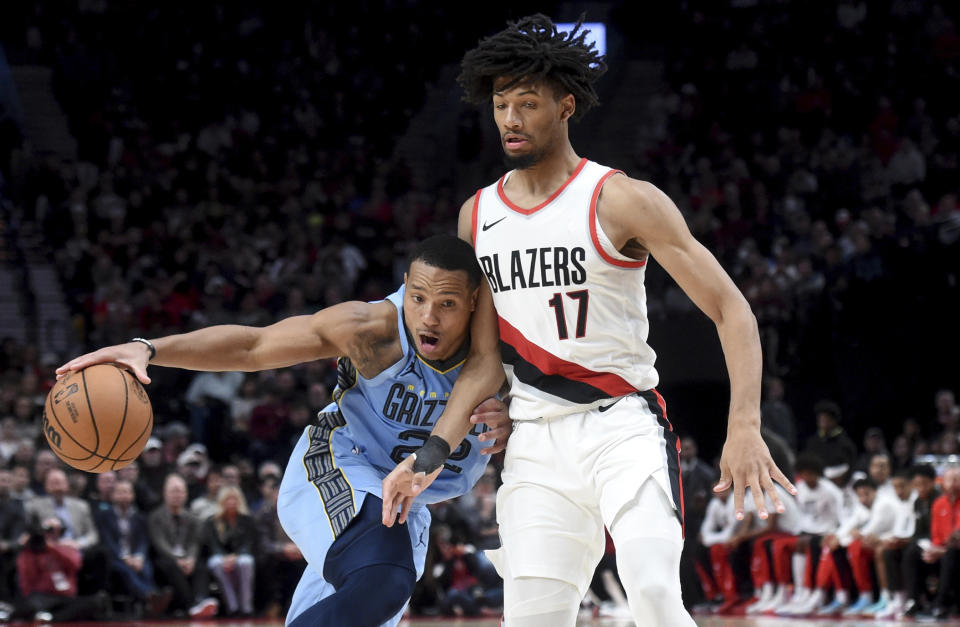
x=375, y=423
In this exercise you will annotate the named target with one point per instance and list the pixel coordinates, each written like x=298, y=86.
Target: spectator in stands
x=458, y=574
x=153, y=469
x=843, y=478
x=903, y=559
x=44, y=461
x=282, y=563
x=209, y=398
x=176, y=438
x=831, y=444
x=481, y=512
x=268, y=470
x=821, y=507
x=12, y=525
x=193, y=465
x=944, y=546
x=9, y=439
x=175, y=539
x=698, y=480
x=903, y=530
x=230, y=539
x=873, y=444
x=762, y=534
x=123, y=530
x=102, y=497
x=887, y=518
x=26, y=455
x=205, y=505
x=47, y=570
x=230, y=476
x=20, y=487
x=713, y=559
x=147, y=499
x=777, y=414
x=879, y=471
x=78, y=484
x=248, y=397
x=902, y=452
x=834, y=569
x=79, y=528
x=948, y=413
x=268, y=421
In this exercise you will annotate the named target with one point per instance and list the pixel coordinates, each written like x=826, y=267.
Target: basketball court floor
x=702, y=621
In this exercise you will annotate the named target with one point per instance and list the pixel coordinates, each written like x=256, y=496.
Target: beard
x=522, y=162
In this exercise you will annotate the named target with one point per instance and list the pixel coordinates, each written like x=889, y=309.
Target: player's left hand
x=746, y=462
x=493, y=413
x=401, y=487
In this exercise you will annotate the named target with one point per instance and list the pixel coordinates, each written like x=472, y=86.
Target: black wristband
x=431, y=455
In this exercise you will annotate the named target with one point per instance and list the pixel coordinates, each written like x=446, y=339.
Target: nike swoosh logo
x=606, y=407
x=493, y=224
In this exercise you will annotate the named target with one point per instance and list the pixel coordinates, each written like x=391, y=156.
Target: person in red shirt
x=47, y=571
x=945, y=540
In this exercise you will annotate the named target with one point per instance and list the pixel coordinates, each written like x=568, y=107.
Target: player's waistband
x=655, y=403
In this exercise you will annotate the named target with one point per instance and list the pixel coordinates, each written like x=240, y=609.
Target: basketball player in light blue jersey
x=399, y=359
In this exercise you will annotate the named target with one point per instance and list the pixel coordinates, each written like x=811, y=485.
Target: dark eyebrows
x=522, y=93
x=450, y=291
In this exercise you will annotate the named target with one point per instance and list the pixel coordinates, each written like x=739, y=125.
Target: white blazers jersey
x=572, y=309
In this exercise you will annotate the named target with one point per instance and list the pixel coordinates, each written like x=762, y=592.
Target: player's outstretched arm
x=224, y=348
x=636, y=210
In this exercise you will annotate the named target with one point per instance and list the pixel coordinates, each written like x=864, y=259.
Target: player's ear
x=404, y=278
x=473, y=298
x=568, y=106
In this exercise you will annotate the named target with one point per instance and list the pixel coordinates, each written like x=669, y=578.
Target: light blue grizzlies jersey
x=375, y=423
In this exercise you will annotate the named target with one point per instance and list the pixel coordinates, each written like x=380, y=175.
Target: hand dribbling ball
x=98, y=419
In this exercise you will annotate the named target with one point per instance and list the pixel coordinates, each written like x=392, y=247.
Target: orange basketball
x=98, y=419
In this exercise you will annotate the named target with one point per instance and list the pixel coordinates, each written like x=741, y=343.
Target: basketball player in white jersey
x=564, y=243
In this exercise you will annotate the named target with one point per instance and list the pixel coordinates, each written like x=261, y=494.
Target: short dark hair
x=866, y=482
x=448, y=252
x=924, y=470
x=808, y=462
x=534, y=49
x=904, y=473
x=827, y=407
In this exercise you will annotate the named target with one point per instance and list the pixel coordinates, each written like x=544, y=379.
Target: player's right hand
x=132, y=355
x=401, y=487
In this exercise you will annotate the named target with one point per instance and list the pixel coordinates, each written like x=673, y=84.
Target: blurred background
x=168, y=166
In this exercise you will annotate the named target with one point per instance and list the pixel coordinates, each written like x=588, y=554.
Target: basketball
x=98, y=419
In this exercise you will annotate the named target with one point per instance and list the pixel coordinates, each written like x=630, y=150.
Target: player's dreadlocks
x=532, y=48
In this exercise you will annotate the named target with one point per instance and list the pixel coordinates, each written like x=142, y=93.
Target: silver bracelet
x=153, y=349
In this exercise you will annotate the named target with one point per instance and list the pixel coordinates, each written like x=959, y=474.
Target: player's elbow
x=255, y=353
x=734, y=311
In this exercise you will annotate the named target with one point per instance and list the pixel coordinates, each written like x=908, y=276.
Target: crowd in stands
x=869, y=533
x=241, y=172
x=824, y=179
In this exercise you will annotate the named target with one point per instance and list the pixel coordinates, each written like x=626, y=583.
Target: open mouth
x=428, y=342
x=514, y=141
